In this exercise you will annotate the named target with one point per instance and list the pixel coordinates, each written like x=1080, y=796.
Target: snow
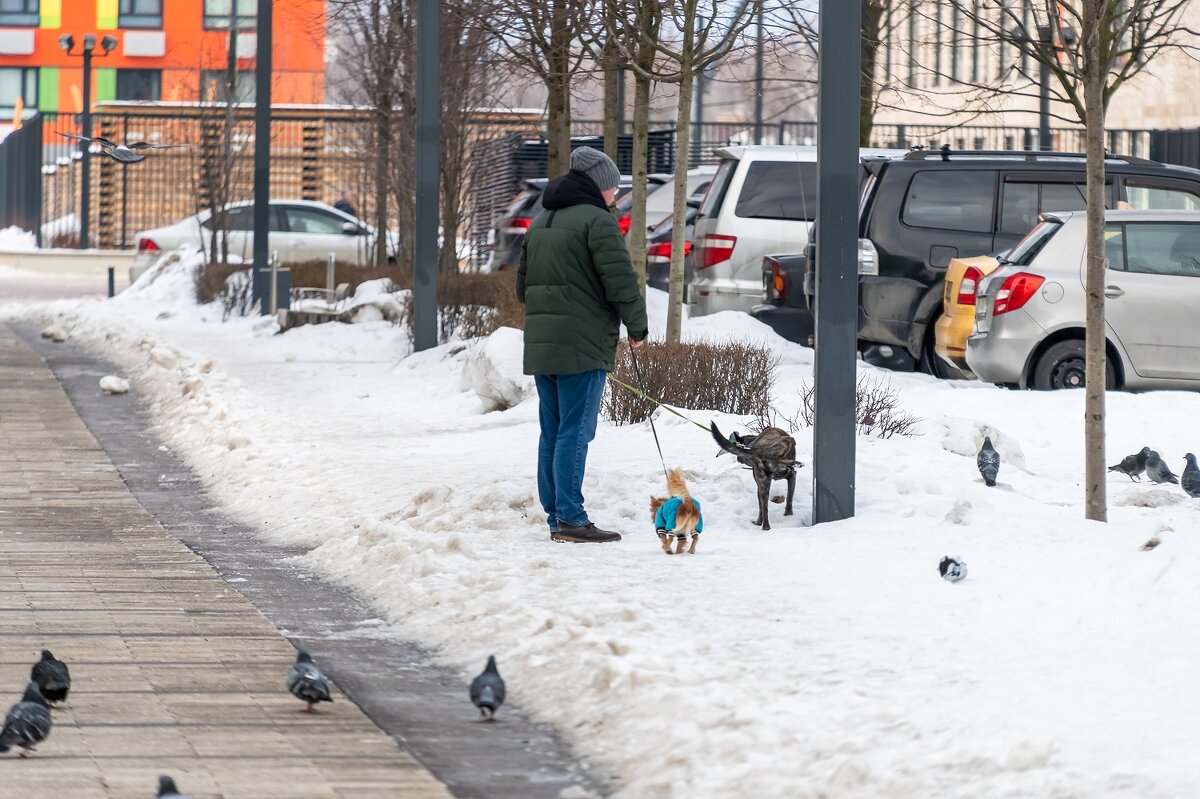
x=15, y=239
x=493, y=370
x=827, y=661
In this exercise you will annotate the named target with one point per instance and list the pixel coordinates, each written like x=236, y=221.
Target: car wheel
x=1063, y=365
x=932, y=363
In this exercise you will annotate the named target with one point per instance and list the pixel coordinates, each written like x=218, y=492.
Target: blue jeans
x=568, y=406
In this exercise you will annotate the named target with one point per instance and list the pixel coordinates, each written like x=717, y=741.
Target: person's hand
x=635, y=344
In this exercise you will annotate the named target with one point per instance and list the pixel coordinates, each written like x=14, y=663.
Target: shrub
x=876, y=410
x=475, y=304
x=211, y=277
x=730, y=377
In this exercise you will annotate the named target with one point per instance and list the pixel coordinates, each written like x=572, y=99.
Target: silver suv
x=1029, y=313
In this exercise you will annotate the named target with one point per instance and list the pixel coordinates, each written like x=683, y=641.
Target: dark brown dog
x=770, y=455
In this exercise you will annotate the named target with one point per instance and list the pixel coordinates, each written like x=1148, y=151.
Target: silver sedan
x=301, y=230
x=1029, y=314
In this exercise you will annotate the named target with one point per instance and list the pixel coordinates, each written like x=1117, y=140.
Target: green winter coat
x=576, y=282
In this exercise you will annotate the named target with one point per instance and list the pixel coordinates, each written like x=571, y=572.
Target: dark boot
x=583, y=534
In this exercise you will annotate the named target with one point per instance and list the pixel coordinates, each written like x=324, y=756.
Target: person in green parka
x=578, y=286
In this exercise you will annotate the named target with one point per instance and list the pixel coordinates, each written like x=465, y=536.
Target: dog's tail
x=724, y=443
x=677, y=486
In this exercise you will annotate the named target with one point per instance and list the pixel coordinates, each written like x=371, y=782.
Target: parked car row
x=941, y=230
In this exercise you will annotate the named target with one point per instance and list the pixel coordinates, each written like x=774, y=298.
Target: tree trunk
x=641, y=145
x=872, y=20
x=1097, y=360
x=612, y=111
x=683, y=117
x=558, y=89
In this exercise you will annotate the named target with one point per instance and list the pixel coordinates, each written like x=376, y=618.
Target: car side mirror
x=351, y=229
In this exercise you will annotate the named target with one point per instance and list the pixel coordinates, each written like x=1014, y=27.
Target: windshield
x=1028, y=248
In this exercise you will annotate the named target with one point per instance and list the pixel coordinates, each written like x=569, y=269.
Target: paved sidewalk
x=174, y=671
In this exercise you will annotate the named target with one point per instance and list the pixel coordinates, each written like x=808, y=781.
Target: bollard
x=274, y=299
x=329, y=277
x=112, y=281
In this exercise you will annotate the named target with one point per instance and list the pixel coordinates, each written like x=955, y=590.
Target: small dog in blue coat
x=677, y=515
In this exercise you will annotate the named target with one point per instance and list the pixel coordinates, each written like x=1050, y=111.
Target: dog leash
x=651, y=399
x=638, y=374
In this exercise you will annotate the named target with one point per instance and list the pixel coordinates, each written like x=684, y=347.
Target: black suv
x=922, y=209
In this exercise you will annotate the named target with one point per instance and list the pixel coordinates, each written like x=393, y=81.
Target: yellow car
x=958, y=308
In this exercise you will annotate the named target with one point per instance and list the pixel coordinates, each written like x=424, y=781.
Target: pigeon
x=53, y=678
x=952, y=569
x=487, y=690
x=307, y=683
x=28, y=723
x=1158, y=471
x=167, y=789
x=1132, y=465
x=1191, y=476
x=122, y=153
x=988, y=461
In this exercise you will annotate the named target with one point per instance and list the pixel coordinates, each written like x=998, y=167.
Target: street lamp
x=1045, y=36
x=67, y=43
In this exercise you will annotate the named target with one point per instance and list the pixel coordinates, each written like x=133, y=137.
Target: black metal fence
x=21, y=178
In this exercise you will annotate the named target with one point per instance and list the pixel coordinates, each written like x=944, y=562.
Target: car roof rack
x=945, y=154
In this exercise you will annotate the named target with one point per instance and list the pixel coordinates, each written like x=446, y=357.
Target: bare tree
x=705, y=32
x=542, y=38
x=215, y=158
x=1092, y=48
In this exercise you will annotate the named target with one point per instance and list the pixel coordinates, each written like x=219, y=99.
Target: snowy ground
x=803, y=662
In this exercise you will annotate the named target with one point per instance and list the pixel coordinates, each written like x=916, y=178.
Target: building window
x=955, y=59
x=18, y=82
x=140, y=14
x=214, y=86
x=224, y=14
x=20, y=12
x=937, y=45
x=139, y=84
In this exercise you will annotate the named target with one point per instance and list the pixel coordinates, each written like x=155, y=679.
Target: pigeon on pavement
x=1158, y=471
x=1132, y=465
x=123, y=153
x=167, y=789
x=487, y=690
x=53, y=678
x=307, y=683
x=952, y=569
x=1191, y=476
x=988, y=461
x=28, y=723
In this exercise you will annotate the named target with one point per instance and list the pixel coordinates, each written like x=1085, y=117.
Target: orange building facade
x=166, y=51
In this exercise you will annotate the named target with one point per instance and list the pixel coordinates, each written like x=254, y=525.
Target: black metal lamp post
x=108, y=44
x=1045, y=37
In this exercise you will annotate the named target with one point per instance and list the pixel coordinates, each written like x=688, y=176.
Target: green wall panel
x=48, y=89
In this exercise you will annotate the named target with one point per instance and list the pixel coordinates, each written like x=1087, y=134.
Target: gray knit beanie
x=597, y=166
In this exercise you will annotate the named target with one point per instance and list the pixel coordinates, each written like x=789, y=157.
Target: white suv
x=761, y=201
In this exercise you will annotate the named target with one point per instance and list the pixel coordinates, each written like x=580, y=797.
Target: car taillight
x=517, y=225
x=662, y=251
x=147, y=245
x=623, y=222
x=713, y=250
x=1016, y=291
x=969, y=285
x=779, y=282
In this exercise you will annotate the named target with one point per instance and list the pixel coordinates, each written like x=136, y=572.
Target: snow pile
x=15, y=239
x=66, y=226
x=494, y=370
x=804, y=662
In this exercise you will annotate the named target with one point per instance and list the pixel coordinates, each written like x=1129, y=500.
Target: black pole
x=620, y=102
x=262, y=155
x=125, y=190
x=428, y=134
x=839, y=67
x=698, y=126
x=85, y=186
x=1043, y=108
x=758, y=80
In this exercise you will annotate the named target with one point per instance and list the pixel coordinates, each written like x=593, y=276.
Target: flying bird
x=952, y=569
x=123, y=153
x=988, y=461
x=1158, y=471
x=1132, y=465
x=1191, y=476
x=28, y=722
x=487, y=690
x=52, y=677
x=307, y=683
x=167, y=789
